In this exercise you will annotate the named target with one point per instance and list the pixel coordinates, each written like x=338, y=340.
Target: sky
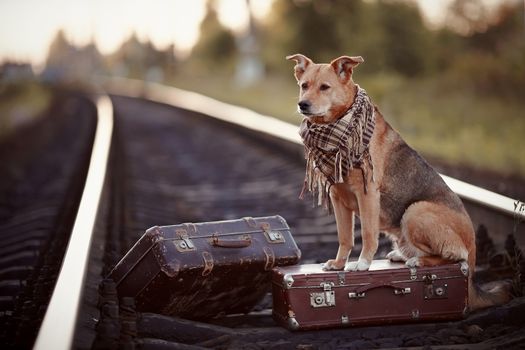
x=28, y=26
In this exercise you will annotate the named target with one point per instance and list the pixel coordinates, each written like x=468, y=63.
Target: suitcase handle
x=231, y=243
x=360, y=292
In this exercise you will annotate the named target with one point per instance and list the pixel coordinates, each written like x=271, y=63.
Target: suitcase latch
x=325, y=298
x=434, y=290
x=272, y=236
x=185, y=244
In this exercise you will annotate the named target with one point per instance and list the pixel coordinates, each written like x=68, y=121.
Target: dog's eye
x=324, y=87
x=304, y=86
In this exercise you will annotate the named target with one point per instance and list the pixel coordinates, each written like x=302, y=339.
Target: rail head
x=58, y=327
x=249, y=119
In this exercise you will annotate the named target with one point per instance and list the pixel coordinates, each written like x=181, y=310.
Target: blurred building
x=68, y=63
x=11, y=72
x=134, y=59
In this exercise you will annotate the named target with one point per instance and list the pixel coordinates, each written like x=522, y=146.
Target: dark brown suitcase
x=202, y=270
x=306, y=297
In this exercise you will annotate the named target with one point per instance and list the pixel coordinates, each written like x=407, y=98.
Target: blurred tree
x=216, y=44
x=503, y=31
x=378, y=31
x=493, y=61
x=406, y=41
x=467, y=16
x=169, y=61
x=305, y=26
x=59, y=50
x=127, y=61
x=357, y=26
x=66, y=62
x=142, y=60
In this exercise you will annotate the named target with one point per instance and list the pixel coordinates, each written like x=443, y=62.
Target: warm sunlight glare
x=28, y=26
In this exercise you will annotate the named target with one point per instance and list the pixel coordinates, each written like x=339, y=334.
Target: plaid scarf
x=336, y=148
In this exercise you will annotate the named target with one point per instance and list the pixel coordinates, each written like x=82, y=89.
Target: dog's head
x=326, y=90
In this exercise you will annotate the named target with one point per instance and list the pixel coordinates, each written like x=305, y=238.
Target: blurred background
x=449, y=74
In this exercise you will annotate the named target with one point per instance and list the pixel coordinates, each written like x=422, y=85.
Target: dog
x=389, y=186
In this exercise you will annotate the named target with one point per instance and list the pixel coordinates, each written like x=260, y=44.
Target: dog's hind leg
x=342, y=202
x=434, y=235
x=396, y=256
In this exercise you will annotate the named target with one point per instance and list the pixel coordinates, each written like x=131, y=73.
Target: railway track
x=42, y=176
x=169, y=165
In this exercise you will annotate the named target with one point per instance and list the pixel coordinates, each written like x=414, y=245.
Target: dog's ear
x=344, y=65
x=302, y=62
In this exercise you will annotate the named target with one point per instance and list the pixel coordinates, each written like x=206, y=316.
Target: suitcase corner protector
x=288, y=321
x=282, y=220
x=154, y=232
x=288, y=281
x=292, y=323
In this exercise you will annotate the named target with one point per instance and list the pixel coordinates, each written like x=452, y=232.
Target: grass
x=459, y=126
x=436, y=117
x=20, y=104
x=273, y=96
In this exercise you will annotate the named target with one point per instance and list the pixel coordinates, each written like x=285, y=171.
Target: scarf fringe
x=316, y=183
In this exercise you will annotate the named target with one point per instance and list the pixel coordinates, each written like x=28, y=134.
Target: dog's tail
x=491, y=294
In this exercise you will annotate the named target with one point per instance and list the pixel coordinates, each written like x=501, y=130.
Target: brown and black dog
x=406, y=198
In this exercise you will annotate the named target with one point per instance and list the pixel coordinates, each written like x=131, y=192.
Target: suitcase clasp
x=272, y=236
x=325, y=298
x=434, y=290
x=185, y=244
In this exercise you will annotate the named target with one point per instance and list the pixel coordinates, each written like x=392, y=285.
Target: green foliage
x=20, y=103
x=377, y=30
x=306, y=27
x=450, y=122
x=216, y=45
x=392, y=38
x=405, y=40
x=493, y=62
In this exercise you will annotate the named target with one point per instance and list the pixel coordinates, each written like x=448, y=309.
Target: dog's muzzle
x=304, y=106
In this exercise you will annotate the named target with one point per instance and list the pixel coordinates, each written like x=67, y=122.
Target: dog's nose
x=304, y=105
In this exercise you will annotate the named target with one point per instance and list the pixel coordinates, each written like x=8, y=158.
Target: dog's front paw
x=333, y=264
x=413, y=262
x=359, y=265
x=463, y=266
x=395, y=255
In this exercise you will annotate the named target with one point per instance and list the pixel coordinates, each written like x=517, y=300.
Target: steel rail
x=58, y=327
x=249, y=119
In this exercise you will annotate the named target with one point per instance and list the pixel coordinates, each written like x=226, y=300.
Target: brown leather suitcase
x=203, y=270
x=306, y=297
